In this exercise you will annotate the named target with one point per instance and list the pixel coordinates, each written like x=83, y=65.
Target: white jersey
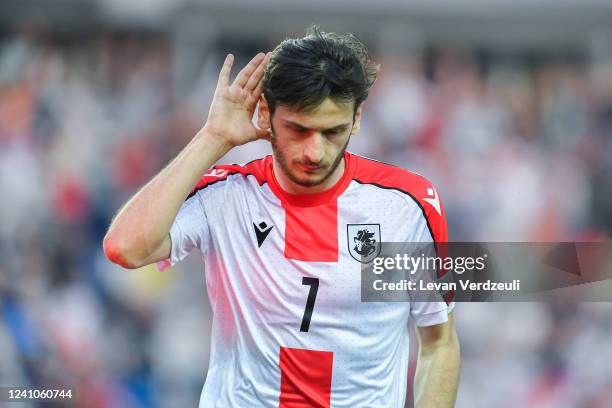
x=289, y=328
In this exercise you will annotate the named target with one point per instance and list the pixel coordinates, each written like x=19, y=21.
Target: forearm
x=437, y=374
x=144, y=221
x=139, y=232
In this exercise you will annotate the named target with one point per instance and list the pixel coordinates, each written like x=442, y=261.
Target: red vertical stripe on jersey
x=311, y=233
x=306, y=377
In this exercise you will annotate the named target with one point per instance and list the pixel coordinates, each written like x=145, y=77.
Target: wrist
x=213, y=142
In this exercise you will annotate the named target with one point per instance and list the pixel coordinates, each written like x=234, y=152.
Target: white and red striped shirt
x=289, y=328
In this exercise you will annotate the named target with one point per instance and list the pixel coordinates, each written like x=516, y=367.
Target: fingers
x=258, y=90
x=224, y=75
x=256, y=93
x=255, y=79
x=245, y=74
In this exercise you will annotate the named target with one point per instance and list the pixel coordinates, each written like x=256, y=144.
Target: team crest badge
x=363, y=241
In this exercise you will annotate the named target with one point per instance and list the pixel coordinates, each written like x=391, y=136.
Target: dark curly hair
x=302, y=72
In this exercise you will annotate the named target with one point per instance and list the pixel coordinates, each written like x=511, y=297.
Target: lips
x=309, y=168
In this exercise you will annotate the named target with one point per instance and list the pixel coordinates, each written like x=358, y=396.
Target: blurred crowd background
x=507, y=110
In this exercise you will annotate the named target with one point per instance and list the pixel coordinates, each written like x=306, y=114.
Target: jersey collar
x=311, y=200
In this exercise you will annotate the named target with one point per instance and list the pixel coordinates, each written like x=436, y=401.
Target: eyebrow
x=298, y=125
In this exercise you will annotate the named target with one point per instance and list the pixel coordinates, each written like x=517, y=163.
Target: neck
x=292, y=188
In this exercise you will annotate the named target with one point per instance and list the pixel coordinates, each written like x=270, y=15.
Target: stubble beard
x=280, y=158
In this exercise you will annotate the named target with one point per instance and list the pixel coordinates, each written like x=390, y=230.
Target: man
x=280, y=237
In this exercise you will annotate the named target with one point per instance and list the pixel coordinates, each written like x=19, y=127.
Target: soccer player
x=282, y=239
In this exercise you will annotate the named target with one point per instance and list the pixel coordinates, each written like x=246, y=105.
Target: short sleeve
x=189, y=231
x=435, y=311
x=430, y=313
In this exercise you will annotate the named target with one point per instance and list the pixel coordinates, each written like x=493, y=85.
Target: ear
x=263, y=114
x=357, y=120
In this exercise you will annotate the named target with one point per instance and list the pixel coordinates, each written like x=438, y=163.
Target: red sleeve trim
x=221, y=172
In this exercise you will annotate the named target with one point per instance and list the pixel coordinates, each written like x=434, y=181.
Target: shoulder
x=387, y=176
x=221, y=174
x=412, y=185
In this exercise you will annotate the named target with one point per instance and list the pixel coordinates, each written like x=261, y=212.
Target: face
x=309, y=146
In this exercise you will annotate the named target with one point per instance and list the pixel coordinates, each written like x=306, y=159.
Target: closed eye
x=335, y=132
x=328, y=133
x=299, y=129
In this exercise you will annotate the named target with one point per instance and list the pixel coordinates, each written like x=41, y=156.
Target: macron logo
x=261, y=232
x=433, y=199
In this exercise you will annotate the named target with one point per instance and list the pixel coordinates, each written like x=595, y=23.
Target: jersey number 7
x=310, y=302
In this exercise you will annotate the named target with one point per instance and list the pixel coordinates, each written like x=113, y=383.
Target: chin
x=308, y=181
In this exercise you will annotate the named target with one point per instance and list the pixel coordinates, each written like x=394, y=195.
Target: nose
x=314, y=148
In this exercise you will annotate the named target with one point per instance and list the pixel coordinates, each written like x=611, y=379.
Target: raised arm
x=139, y=232
x=437, y=373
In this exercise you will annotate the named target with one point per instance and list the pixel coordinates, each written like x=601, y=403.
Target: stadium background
x=505, y=106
